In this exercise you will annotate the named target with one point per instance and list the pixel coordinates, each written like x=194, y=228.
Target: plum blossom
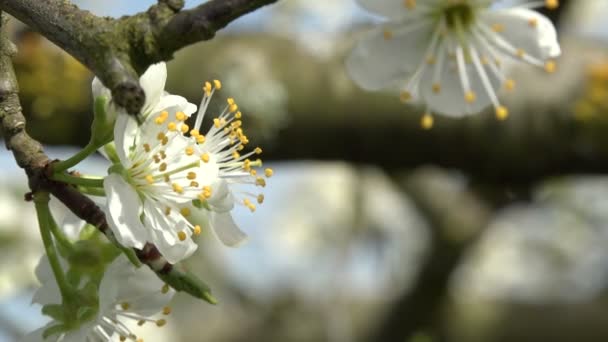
x=453, y=56
x=125, y=293
x=171, y=180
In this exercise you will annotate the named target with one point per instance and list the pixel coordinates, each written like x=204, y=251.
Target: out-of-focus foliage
x=53, y=90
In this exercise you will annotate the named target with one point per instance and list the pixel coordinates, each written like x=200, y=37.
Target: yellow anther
x=533, y=22
x=260, y=182
x=427, y=121
x=550, y=67
x=162, y=154
x=233, y=108
x=268, y=172
x=164, y=141
x=147, y=147
x=167, y=310
x=160, y=136
x=230, y=101
x=207, y=88
x=260, y=198
x=470, y=96
x=216, y=123
x=520, y=53
x=205, y=157
x=162, y=167
x=207, y=188
x=123, y=338
x=218, y=84
x=159, y=120
x=238, y=115
x=197, y=230
x=168, y=211
x=502, y=113
x=552, y=4
x=200, y=139
x=177, y=188
x=436, y=88
x=184, y=128
x=141, y=322
x=509, y=84
x=165, y=289
x=149, y=179
x=236, y=155
x=185, y=211
x=194, y=133
x=194, y=184
x=181, y=236
x=180, y=116
x=172, y=126
x=257, y=150
x=405, y=96
x=388, y=34
x=189, y=150
x=409, y=4
x=125, y=305
x=161, y=322
x=191, y=175
x=498, y=28
x=166, y=178
x=253, y=172
x=430, y=60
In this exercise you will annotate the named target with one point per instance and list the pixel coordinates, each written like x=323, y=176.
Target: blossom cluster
x=169, y=180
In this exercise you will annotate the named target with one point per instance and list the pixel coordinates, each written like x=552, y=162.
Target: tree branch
x=457, y=218
x=117, y=50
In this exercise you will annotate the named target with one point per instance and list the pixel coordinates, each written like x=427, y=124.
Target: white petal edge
x=123, y=212
x=153, y=83
x=225, y=228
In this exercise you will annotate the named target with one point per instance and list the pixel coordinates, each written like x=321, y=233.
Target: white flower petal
x=123, y=212
x=176, y=252
x=450, y=100
x=391, y=9
x=378, y=63
x=539, y=40
x=36, y=335
x=153, y=84
x=125, y=134
x=163, y=233
x=226, y=229
x=48, y=293
x=221, y=199
x=168, y=100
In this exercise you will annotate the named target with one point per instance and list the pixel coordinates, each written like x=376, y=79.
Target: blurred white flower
x=452, y=55
x=125, y=293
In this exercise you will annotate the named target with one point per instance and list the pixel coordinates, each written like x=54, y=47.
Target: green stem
x=58, y=234
x=99, y=192
x=82, y=181
x=41, y=201
x=63, y=165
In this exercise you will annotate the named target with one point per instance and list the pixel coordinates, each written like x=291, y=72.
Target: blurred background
x=373, y=228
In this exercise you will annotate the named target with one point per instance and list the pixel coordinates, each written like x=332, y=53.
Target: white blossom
x=452, y=55
x=125, y=293
x=171, y=176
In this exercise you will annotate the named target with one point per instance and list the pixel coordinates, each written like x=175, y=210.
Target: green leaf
x=55, y=311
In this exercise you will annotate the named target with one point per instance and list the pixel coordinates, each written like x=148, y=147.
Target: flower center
x=458, y=14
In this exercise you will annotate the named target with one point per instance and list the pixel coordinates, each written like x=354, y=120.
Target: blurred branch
x=457, y=217
x=117, y=50
x=30, y=156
